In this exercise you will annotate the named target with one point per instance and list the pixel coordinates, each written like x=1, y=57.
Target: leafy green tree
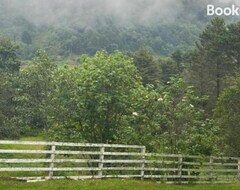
x=9, y=61
x=226, y=115
x=104, y=100
x=7, y=107
x=100, y=96
x=9, y=67
x=34, y=89
x=169, y=119
x=66, y=106
x=183, y=120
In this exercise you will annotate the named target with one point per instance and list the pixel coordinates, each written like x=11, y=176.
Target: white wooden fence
x=58, y=160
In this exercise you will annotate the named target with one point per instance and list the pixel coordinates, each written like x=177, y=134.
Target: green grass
x=21, y=147
x=107, y=185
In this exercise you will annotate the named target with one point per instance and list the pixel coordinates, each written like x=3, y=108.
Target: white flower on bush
x=135, y=113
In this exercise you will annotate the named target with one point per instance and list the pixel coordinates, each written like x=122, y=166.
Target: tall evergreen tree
x=148, y=66
x=208, y=63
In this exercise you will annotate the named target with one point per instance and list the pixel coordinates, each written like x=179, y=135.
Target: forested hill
x=186, y=102
x=65, y=28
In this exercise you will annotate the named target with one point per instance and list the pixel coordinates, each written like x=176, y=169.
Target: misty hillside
x=167, y=75
x=74, y=27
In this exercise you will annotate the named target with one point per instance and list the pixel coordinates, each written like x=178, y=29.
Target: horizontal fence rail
x=37, y=161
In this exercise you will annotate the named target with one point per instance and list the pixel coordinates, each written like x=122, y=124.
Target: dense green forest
x=85, y=32
x=170, y=84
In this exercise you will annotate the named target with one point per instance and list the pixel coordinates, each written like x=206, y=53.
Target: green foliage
x=169, y=119
x=148, y=66
x=103, y=100
x=113, y=98
x=177, y=56
x=99, y=97
x=156, y=70
x=33, y=90
x=104, y=32
x=169, y=69
x=64, y=108
x=227, y=118
x=9, y=62
x=8, y=128
x=9, y=67
x=185, y=129
x=209, y=63
x=26, y=38
x=111, y=35
x=231, y=43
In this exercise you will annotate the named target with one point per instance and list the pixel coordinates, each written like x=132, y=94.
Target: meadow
x=111, y=184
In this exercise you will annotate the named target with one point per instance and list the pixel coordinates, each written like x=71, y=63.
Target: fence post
x=143, y=151
x=238, y=170
x=53, y=149
x=101, y=159
x=211, y=168
x=180, y=164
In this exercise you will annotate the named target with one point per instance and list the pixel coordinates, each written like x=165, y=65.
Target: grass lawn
x=116, y=184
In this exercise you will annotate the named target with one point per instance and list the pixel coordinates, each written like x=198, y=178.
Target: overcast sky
x=50, y=11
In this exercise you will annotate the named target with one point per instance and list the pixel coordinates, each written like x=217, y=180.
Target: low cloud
x=86, y=11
